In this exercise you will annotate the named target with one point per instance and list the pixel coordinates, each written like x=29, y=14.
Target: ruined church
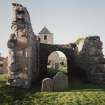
x=28, y=57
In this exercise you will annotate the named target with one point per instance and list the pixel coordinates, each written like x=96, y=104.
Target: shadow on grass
x=87, y=87
x=17, y=96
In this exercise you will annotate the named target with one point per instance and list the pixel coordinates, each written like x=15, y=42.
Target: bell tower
x=45, y=36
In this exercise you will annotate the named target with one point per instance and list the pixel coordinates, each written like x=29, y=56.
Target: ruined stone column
x=20, y=48
x=91, y=59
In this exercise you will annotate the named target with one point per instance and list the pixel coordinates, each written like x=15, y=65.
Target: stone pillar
x=20, y=47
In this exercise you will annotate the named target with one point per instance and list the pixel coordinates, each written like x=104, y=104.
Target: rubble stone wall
x=91, y=59
x=27, y=60
x=21, y=48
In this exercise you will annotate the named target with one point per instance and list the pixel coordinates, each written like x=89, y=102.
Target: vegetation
x=79, y=40
x=84, y=94
x=52, y=72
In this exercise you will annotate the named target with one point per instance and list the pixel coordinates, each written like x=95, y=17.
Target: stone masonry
x=20, y=46
x=27, y=60
x=91, y=59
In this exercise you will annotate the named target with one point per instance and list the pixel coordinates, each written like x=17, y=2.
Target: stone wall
x=27, y=60
x=21, y=48
x=91, y=60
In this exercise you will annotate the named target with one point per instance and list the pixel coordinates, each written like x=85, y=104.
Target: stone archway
x=45, y=50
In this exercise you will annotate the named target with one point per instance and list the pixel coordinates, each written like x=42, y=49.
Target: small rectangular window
x=45, y=37
x=39, y=39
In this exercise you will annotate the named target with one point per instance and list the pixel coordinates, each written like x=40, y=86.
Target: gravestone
x=47, y=85
x=60, y=81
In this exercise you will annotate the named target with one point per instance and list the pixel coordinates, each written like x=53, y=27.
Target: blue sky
x=67, y=19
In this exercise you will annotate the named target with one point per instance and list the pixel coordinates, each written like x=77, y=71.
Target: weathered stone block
x=47, y=85
x=60, y=82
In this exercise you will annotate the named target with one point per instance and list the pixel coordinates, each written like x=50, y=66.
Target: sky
x=67, y=19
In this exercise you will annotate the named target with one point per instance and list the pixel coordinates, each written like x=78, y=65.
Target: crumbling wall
x=27, y=58
x=21, y=48
x=91, y=60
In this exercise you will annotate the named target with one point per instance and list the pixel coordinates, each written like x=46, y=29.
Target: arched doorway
x=44, y=52
x=57, y=62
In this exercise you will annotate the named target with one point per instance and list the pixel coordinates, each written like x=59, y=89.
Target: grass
x=84, y=94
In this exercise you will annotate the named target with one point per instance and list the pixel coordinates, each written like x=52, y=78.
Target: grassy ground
x=85, y=94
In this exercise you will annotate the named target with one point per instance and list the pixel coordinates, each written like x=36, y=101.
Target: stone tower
x=45, y=36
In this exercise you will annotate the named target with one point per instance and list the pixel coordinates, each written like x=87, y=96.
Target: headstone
x=60, y=81
x=47, y=85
